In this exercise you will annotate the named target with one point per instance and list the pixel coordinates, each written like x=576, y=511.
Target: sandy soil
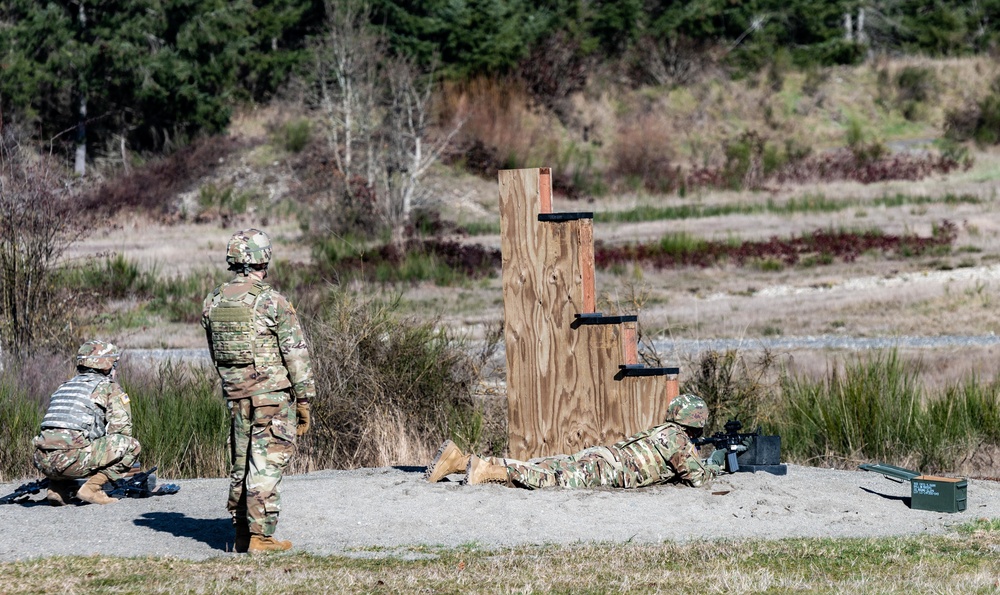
x=385, y=511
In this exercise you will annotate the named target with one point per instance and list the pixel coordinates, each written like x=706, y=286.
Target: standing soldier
x=260, y=353
x=662, y=454
x=87, y=429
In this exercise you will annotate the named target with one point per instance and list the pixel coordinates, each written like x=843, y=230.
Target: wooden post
x=566, y=388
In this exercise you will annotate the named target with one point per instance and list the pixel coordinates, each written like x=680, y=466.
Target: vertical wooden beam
x=673, y=388
x=545, y=190
x=630, y=344
x=587, y=266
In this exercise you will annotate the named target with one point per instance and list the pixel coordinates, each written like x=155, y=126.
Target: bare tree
x=37, y=224
x=346, y=67
x=377, y=112
x=410, y=152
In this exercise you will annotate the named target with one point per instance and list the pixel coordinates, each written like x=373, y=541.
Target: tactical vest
x=71, y=407
x=235, y=341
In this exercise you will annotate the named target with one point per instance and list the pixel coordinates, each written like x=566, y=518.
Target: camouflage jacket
x=280, y=356
x=110, y=397
x=661, y=454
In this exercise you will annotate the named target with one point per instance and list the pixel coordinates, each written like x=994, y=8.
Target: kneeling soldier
x=87, y=430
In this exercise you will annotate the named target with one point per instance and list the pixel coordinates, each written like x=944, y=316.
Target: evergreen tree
x=149, y=72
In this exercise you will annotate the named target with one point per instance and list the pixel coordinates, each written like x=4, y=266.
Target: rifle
x=731, y=441
x=28, y=489
x=139, y=485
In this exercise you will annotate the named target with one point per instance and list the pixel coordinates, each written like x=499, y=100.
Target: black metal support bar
x=560, y=217
x=598, y=318
x=641, y=370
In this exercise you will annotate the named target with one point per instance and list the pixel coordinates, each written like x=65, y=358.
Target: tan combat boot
x=485, y=471
x=262, y=544
x=449, y=459
x=242, y=542
x=92, y=492
x=60, y=491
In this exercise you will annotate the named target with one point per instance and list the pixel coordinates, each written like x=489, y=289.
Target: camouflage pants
x=112, y=454
x=592, y=467
x=261, y=441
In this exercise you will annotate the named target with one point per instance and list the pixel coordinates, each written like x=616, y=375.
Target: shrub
x=915, y=85
x=979, y=121
x=643, y=156
x=389, y=389
x=344, y=208
x=735, y=385
x=988, y=127
x=153, y=186
x=295, y=135
x=39, y=220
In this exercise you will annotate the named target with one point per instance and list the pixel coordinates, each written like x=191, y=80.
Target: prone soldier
x=662, y=454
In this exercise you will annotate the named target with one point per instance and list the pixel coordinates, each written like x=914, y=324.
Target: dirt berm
x=383, y=511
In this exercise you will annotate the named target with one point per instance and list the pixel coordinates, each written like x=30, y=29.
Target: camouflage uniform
x=108, y=446
x=265, y=373
x=663, y=454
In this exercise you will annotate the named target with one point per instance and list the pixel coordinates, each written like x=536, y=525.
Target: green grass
x=22, y=416
x=480, y=228
x=965, y=562
x=174, y=298
x=877, y=408
x=180, y=419
x=810, y=203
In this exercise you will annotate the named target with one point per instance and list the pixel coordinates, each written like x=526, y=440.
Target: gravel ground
x=391, y=509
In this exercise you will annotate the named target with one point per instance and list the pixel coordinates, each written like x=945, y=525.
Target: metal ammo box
x=927, y=492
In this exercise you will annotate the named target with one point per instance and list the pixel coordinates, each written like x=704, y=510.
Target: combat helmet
x=97, y=354
x=688, y=410
x=250, y=246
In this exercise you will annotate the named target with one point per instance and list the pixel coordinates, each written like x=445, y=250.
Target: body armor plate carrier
x=71, y=407
x=235, y=341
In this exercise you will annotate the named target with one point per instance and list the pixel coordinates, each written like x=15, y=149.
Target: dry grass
x=847, y=299
x=956, y=563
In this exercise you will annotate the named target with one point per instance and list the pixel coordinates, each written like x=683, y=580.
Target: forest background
x=793, y=143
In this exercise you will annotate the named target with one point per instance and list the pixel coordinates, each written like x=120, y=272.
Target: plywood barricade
x=573, y=377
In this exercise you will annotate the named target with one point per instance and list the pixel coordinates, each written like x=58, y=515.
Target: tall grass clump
x=180, y=419
x=877, y=409
x=871, y=409
x=22, y=416
x=180, y=297
x=964, y=418
x=389, y=389
x=114, y=276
